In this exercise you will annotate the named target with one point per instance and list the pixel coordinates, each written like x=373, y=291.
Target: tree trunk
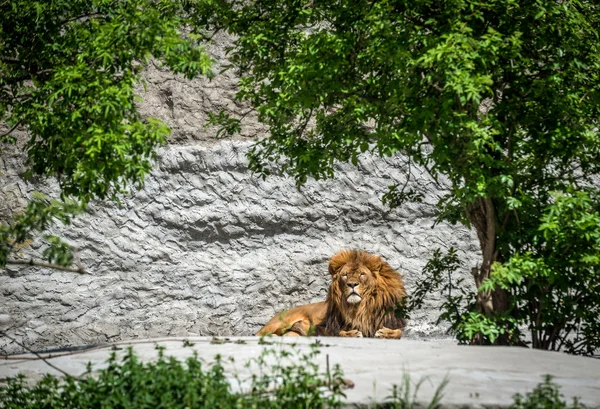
x=482, y=215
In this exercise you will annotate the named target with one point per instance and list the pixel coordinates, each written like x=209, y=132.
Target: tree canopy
x=499, y=96
x=67, y=75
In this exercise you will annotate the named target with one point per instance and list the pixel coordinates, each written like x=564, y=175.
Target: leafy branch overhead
x=39, y=215
x=68, y=70
x=501, y=98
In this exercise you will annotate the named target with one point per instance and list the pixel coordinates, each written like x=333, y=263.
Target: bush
x=545, y=396
x=282, y=378
x=293, y=381
x=553, y=286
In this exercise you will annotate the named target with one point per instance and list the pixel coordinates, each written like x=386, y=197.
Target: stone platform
x=479, y=377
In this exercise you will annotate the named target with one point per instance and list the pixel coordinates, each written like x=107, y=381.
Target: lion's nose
x=352, y=285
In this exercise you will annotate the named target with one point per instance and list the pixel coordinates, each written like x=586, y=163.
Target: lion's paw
x=351, y=334
x=388, y=333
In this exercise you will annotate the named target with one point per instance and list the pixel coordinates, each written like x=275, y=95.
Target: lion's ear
x=334, y=269
x=339, y=260
x=376, y=267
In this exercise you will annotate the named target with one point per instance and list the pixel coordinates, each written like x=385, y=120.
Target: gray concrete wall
x=206, y=248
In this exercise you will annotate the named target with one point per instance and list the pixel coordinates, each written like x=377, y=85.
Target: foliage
x=292, y=381
x=499, y=97
x=437, y=269
x=402, y=398
x=437, y=277
x=40, y=213
x=473, y=325
x=167, y=383
x=282, y=377
x=556, y=283
x=68, y=70
x=287, y=378
x=545, y=396
x=128, y=384
x=458, y=307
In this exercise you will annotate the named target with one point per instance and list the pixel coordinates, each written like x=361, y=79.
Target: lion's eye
x=345, y=276
x=362, y=274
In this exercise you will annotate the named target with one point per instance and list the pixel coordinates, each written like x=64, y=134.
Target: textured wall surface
x=205, y=248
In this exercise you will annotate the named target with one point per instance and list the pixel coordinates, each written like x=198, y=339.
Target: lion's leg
x=269, y=329
x=388, y=333
x=301, y=327
x=273, y=327
x=283, y=323
x=351, y=334
x=302, y=320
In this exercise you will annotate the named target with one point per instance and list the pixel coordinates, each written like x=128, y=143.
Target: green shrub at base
x=170, y=384
x=282, y=378
x=545, y=396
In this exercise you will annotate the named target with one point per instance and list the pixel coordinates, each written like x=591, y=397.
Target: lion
x=360, y=303
x=304, y=320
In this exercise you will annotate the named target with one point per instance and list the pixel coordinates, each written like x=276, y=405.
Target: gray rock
x=214, y=251
x=206, y=248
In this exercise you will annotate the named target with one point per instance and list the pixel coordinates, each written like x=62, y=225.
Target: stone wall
x=206, y=248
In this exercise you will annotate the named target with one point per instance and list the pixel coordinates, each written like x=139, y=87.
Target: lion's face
x=363, y=291
x=355, y=280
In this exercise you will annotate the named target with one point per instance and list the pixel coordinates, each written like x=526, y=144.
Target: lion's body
x=361, y=302
x=303, y=320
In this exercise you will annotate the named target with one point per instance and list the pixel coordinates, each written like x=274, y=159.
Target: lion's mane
x=376, y=310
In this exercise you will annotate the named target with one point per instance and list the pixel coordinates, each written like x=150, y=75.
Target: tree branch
x=490, y=233
x=31, y=262
x=10, y=60
x=11, y=129
x=36, y=354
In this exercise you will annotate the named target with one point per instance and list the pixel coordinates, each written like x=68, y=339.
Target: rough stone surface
x=478, y=377
x=185, y=105
x=206, y=248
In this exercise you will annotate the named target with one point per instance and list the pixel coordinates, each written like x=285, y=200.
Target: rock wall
x=206, y=248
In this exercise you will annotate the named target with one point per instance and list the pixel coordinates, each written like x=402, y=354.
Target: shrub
x=553, y=285
x=293, y=381
x=545, y=396
x=281, y=378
